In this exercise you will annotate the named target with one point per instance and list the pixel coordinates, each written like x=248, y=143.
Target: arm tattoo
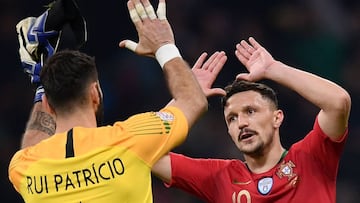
x=43, y=122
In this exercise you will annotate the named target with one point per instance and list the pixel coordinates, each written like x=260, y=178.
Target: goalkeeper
x=78, y=161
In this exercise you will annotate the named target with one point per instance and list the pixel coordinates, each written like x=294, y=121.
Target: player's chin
x=250, y=149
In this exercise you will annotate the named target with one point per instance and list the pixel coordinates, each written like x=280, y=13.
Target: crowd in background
x=321, y=36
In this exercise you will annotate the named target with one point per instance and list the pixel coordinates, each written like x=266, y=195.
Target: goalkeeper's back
x=106, y=164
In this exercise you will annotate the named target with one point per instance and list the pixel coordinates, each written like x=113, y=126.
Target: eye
x=250, y=111
x=231, y=119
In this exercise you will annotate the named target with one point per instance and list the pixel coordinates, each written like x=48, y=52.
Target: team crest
x=265, y=185
x=286, y=170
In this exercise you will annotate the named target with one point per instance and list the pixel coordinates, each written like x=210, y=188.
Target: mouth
x=245, y=135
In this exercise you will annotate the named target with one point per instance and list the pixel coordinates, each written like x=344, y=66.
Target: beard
x=255, y=151
x=259, y=148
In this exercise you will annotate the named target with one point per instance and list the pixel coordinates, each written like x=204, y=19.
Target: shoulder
x=168, y=114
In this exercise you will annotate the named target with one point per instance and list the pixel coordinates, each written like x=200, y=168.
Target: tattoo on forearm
x=43, y=122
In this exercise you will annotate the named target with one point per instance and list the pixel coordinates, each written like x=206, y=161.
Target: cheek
x=268, y=131
x=263, y=122
x=233, y=132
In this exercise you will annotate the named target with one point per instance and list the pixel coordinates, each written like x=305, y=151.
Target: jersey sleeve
x=324, y=150
x=195, y=176
x=154, y=134
x=14, y=175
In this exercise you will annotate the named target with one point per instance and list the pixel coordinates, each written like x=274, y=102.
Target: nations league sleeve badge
x=265, y=185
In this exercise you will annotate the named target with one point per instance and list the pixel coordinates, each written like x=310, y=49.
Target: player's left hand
x=31, y=63
x=207, y=72
x=153, y=29
x=39, y=36
x=255, y=58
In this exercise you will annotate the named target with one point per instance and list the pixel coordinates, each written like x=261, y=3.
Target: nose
x=242, y=122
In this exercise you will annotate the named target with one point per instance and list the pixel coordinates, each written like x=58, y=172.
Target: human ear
x=95, y=94
x=278, y=118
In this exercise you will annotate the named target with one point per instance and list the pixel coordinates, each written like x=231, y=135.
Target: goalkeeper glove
x=34, y=45
x=39, y=37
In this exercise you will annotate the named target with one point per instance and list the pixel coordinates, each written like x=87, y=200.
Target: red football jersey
x=307, y=173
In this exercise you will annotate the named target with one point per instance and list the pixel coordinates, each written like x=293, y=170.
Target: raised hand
x=255, y=58
x=39, y=36
x=207, y=72
x=153, y=29
x=34, y=45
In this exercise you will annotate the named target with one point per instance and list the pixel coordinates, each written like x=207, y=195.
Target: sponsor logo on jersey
x=265, y=185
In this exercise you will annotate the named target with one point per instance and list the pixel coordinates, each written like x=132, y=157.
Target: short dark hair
x=66, y=76
x=243, y=85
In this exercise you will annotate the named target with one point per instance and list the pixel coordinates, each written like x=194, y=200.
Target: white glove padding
x=31, y=64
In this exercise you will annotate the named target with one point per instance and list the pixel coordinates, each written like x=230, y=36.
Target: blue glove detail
x=35, y=45
x=39, y=93
x=37, y=35
x=33, y=71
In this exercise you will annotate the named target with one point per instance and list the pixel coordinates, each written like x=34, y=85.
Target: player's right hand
x=207, y=72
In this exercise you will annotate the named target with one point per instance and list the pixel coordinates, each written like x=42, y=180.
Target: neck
x=267, y=160
x=79, y=118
